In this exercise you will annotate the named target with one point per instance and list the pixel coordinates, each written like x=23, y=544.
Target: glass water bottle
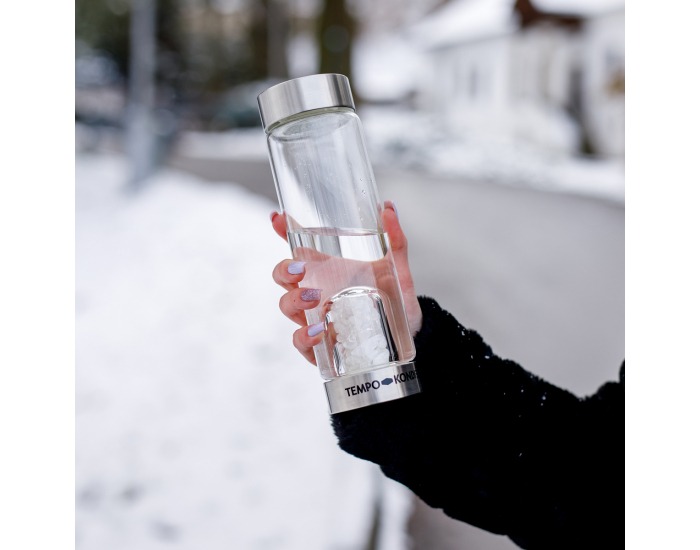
x=328, y=195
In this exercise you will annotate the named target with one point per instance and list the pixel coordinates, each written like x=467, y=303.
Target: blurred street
x=540, y=275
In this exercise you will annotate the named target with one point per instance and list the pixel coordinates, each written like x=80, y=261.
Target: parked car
x=238, y=107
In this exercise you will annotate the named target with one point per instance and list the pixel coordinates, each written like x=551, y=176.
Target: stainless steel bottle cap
x=307, y=93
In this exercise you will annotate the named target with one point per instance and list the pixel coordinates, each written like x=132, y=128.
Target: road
x=540, y=275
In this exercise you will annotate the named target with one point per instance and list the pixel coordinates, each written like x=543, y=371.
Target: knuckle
x=287, y=303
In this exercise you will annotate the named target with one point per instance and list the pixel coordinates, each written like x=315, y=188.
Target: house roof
x=582, y=8
x=464, y=21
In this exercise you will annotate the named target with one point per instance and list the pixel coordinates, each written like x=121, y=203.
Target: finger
x=279, y=224
x=288, y=273
x=399, y=248
x=295, y=302
x=397, y=238
x=304, y=339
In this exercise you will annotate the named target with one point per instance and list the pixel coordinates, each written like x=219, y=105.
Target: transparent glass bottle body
x=327, y=192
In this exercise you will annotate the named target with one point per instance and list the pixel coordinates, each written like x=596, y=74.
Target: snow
x=417, y=141
x=468, y=20
x=197, y=423
x=584, y=8
x=465, y=20
x=413, y=140
x=243, y=143
x=386, y=67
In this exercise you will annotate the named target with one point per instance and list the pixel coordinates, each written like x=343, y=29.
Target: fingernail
x=392, y=204
x=310, y=294
x=295, y=268
x=315, y=329
x=272, y=215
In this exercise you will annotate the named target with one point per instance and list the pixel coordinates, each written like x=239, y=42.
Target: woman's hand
x=296, y=300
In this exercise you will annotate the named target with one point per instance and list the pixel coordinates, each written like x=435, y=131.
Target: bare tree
x=335, y=32
x=268, y=39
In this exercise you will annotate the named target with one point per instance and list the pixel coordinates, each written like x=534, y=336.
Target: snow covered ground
x=197, y=424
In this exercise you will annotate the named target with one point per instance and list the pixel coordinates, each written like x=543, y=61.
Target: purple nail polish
x=310, y=294
x=315, y=329
x=295, y=268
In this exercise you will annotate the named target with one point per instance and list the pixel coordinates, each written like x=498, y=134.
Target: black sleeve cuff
x=487, y=441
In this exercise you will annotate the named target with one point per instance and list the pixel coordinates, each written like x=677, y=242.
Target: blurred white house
x=548, y=73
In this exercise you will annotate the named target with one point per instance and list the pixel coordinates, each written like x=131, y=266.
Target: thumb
x=397, y=238
x=279, y=224
x=399, y=248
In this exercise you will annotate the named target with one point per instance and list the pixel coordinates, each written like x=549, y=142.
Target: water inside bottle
x=361, y=302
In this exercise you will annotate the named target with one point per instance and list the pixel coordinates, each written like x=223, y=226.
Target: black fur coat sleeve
x=497, y=447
